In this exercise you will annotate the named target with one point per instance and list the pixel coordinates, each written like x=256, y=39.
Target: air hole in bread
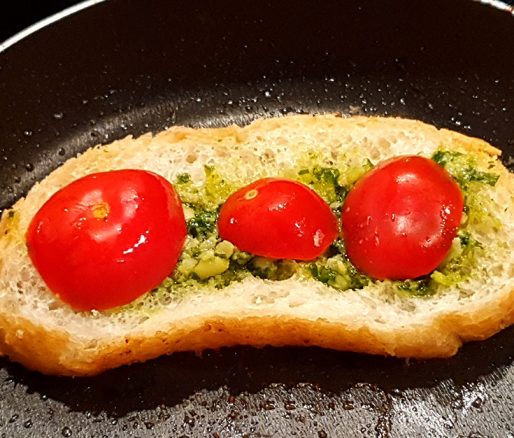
x=53, y=305
x=191, y=158
x=374, y=155
x=142, y=319
x=25, y=275
x=384, y=144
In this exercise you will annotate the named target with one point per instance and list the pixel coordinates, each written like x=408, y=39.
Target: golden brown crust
x=440, y=339
x=38, y=346
x=33, y=345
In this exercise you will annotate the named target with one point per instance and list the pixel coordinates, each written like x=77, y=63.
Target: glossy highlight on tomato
x=107, y=238
x=278, y=218
x=400, y=219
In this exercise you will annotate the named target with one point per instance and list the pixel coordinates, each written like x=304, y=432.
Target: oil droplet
x=348, y=405
x=66, y=432
x=61, y=151
x=27, y=133
x=477, y=403
x=27, y=424
x=29, y=167
x=445, y=212
x=268, y=406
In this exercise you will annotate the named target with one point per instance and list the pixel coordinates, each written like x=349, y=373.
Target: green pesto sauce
x=210, y=262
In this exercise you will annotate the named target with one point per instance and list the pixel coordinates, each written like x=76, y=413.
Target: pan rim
x=11, y=41
x=498, y=4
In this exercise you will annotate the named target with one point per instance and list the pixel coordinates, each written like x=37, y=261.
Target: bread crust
x=36, y=349
x=55, y=349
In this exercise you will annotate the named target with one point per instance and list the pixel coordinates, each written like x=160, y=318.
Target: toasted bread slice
x=45, y=334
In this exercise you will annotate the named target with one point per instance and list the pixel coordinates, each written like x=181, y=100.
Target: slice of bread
x=44, y=334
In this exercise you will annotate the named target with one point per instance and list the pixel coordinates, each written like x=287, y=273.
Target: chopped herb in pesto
x=419, y=287
x=337, y=271
x=272, y=269
x=463, y=168
x=331, y=183
x=202, y=224
x=325, y=181
x=183, y=178
x=216, y=188
x=460, y=262
x=472, y=180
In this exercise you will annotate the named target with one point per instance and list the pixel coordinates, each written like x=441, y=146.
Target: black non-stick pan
x=126, y=67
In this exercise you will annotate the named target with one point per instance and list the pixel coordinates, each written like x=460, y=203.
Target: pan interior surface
x=149, y=65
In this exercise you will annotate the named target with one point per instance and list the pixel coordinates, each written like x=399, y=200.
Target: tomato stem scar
x=251, y=194
x=101, y=210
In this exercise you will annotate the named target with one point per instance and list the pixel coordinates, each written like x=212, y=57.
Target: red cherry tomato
x=278, y=218
x=399, y=220
x=107, y=238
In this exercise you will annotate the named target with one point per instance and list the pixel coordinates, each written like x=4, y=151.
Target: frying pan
x=127, y=66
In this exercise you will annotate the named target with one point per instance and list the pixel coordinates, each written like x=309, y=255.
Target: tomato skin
x=399, y=220
x=107, y=238
x=278, y=218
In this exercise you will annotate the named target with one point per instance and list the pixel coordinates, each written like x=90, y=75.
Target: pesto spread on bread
x=207, y=260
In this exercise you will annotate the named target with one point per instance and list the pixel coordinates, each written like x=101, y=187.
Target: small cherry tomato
x=107, y=238
x=400, y=219
x=278, y=218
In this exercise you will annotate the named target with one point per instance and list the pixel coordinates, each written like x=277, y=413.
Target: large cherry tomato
x=107, y=238
x=399, y=220
x=278, y=218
